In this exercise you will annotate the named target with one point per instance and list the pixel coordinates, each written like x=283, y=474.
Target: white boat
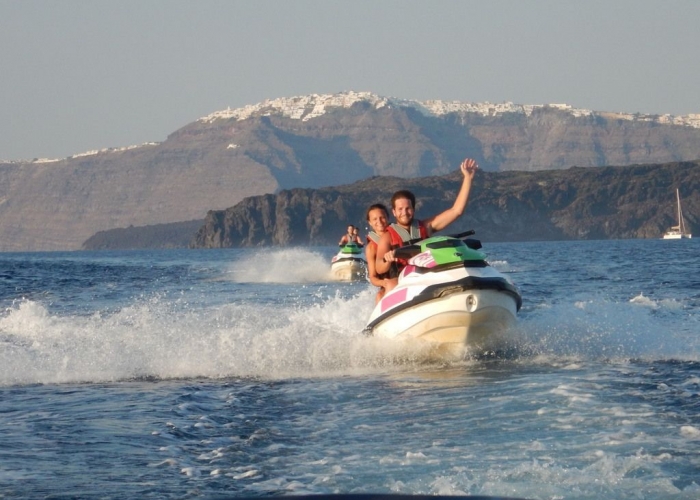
x=348, y=264
x=448, y=297
x=679, y=231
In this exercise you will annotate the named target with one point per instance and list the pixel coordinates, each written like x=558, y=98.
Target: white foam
x=501, y=265
x=571, y=332
x=644, y=301
x=291, y=265
x=316, y=334
x=690, y=432
x=154, y=338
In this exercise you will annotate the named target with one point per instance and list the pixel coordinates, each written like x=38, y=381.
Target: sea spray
x=164, y=339
x=289, y=265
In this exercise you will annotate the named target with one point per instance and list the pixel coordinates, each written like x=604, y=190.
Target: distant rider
x=350, y=237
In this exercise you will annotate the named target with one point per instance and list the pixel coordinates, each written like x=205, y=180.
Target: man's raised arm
x=444, y=219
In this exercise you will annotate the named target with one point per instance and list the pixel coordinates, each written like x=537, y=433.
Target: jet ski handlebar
x=412, y=248
x=463, y=235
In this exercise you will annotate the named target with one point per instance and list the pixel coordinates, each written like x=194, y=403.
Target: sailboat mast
x=677, y=232
x=681, y=226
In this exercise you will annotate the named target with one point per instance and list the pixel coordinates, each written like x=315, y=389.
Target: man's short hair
x=403, y=195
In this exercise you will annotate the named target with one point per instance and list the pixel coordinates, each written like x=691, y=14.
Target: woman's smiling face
x=378, y=220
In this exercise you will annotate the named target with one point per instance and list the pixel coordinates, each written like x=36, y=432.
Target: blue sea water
x=200, y=374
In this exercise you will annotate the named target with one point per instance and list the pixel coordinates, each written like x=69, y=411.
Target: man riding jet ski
x=450, y=297
x=406, y=228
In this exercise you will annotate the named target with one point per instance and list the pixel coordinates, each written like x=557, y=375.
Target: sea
x=234, y=373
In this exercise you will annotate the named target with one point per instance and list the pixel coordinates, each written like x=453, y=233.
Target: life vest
x=400, y=237
x=373, y=238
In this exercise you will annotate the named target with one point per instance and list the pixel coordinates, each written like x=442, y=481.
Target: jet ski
x=449, y=297
x=348, y=264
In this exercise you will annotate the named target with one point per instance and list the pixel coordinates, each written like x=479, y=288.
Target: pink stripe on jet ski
x=392, y=299
x=408, y=269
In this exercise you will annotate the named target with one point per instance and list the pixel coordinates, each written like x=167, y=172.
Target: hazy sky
x=78, y=75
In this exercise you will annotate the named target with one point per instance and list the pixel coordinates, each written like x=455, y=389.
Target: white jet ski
x=447, y=296
x=348, y=264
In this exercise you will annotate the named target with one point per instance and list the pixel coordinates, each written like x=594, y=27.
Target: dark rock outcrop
x=577, y=203
x=172, y=235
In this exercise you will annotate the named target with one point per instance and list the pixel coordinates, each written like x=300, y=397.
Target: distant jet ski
x=448, y=296
x=348, y=264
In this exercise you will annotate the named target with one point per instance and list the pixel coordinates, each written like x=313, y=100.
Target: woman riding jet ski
x=448, y=296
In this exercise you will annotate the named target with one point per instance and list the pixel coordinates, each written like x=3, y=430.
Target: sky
x=81, y=75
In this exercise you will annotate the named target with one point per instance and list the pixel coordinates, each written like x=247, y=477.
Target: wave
x=600, y=329
x=293, y=265
x=165, y=338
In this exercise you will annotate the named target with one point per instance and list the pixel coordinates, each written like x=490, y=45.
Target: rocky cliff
x=577, y=203
x=170, y=235
x=311, y=142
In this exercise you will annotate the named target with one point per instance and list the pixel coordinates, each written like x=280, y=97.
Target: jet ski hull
x=348, y=264
x=455, y=310
x=348, y=270
x=471, y=318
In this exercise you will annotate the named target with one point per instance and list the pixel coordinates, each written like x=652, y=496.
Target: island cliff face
x=577, y=203
x=312, y=142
